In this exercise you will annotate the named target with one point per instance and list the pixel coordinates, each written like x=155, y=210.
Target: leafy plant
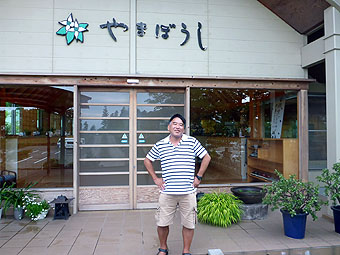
x=293, y=195
x=332, y=183
x=219, y=209
x=3, y=194
x=35, y=208
x=17, y=197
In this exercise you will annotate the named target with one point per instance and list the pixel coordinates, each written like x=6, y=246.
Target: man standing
x=178, y=183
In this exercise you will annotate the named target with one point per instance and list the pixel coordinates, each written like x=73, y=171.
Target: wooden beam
x=152, y=82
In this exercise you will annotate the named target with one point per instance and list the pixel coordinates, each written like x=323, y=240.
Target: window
x=233, y=124
x=317, y=131
x=33, y=119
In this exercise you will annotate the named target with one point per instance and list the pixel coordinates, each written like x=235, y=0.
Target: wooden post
x=48, y=139
x=3, y=132
x=303, y=134
x=62, y=146
x=258, y=119
x=75, y=149
x=251, y=113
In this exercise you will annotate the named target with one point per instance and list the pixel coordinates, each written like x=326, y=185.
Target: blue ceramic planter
x=294, y=227
x=336, y=214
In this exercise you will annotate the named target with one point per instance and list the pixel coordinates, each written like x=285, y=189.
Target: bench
x=8, y=178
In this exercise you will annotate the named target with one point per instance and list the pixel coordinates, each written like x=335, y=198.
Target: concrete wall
x=244, y=39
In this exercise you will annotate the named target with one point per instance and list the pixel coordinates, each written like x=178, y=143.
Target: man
x=178, y=183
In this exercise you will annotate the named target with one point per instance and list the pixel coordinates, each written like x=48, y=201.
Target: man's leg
x=188, y=235
x=164, y=217
x=163, y=233
x=187, y=207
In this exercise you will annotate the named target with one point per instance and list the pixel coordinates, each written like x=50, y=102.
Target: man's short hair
x=177, y=115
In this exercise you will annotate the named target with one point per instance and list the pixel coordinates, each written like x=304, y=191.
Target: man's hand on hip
x=196, y=182
x=160, y=183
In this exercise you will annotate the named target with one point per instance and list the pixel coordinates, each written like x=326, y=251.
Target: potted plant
x=219, y=209
x=35, y=209
x=295, y=199
x=17, y=198
x=3, y=195
x=332, y=190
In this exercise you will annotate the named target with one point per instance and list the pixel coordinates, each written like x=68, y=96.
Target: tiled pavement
x=134, y=232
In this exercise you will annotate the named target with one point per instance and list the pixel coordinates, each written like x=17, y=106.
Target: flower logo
x=72, y=29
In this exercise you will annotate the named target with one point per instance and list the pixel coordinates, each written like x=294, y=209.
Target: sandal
x=163, y=250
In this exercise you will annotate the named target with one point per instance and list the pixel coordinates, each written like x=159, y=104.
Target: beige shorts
x=168, y=205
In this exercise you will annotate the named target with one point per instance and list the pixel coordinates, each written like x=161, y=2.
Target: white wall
x=99, y=53
x=244, y=39
x=167, y=57
x=26, y=36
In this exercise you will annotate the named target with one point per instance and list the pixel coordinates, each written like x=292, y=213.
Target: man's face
x=176, y=128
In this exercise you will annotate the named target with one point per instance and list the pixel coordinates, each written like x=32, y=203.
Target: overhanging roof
x=47, y=98
x=302, y=15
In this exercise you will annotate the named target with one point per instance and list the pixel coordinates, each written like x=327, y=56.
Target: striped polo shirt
x=177, y=163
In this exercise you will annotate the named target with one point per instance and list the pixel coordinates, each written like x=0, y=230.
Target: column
x=332, y=57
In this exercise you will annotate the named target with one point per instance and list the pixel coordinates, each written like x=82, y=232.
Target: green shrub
x=332, y=183
x=293, y=195
x=219, y=209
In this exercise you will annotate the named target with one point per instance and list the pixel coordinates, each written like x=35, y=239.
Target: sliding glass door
x=116, y=130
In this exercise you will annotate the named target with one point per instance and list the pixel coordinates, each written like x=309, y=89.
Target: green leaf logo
x=72, y=29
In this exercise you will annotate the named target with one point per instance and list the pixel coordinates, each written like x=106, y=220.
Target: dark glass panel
x=104, y=180
x=160, y=98
x=104, y=125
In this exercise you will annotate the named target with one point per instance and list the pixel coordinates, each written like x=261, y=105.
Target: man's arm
x=158, y=181
x=204, y=165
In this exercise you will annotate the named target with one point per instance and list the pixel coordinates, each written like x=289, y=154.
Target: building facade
x=87, y=89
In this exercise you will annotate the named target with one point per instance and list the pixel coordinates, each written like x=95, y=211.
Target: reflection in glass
x=289, y=122
x=146, y=179
x=219, y=112
x=104, y=152
x=317, y=130
x=105, y=138
x=36, y=138
x=160, y=98
x=317, y=125
x=223, y=120
x=105, y=180
x=142, y=151
x=159, y=111
x=104, y=166
x=317, y=112
x=158, y=125
x=104, y=125
x=318, y=146
x=105, y=97
x=156, y=165
x=104, y=111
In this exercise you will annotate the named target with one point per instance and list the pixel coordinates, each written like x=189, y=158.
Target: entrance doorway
x=117, y=127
